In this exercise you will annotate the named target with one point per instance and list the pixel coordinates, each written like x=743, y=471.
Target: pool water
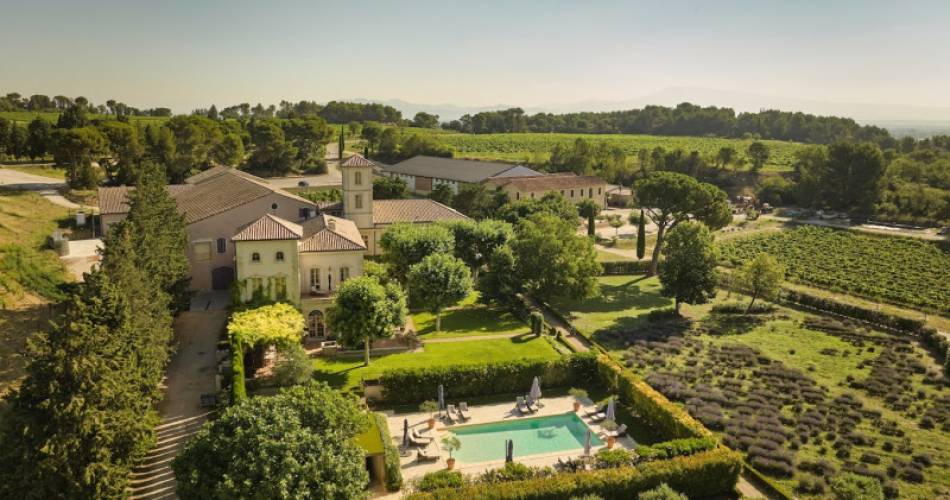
x=531, y=436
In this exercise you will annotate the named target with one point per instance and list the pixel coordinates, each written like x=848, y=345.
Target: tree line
x=13, y=101
x=684, y=119
x=84, y=413
x=336, y=112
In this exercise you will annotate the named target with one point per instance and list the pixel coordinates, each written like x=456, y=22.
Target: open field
x=901, y=271
x=46, y=170
x=347, y=372
x=796, y=392
x=24, y=117
x=536, y=147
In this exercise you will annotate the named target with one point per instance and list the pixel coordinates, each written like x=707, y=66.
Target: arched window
x=255, y=257
x=280, y=256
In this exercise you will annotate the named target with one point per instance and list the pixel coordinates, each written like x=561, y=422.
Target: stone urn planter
x=611, y=441
x=450, y=463
x=577, y=406
x=578, y=395
x=429, y=407
x=431, y=423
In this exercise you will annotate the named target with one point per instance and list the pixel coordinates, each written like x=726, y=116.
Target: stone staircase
x=153, y=478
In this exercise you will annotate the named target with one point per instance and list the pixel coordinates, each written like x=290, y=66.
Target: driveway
x=14, y=179
x=190, y=374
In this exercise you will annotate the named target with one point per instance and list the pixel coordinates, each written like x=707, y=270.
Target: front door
x=222, y=277
x=317, y=327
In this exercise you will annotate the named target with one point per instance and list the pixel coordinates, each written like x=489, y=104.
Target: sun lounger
x=617, y=433
x=596, y=410
x=419, y=441
x=531, y=404
x=449, y=412
x=598, y=417
x=420, y=436
x=521, y=406
x=428, y=454
x=463, y=411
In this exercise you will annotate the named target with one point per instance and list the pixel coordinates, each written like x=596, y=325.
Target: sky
x=478, y=53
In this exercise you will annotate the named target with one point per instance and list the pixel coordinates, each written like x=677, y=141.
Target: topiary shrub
x=441, y=479
x=662, y=492
x=608, y=459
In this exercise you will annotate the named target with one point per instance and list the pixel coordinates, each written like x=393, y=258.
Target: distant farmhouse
x=425, y=173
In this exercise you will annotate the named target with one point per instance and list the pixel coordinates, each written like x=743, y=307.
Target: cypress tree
x=341, y=145
x=641, y=237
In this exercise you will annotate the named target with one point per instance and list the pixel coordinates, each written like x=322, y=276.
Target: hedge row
x=390, y=454
x=666, y=417
x=701, y=475
x=676, y=448
x=625, y=267
x=931, y=337
x=414, y=385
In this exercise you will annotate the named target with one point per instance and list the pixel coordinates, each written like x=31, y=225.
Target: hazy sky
x=188, y=54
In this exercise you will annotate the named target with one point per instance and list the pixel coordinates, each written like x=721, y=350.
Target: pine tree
x=641, y=237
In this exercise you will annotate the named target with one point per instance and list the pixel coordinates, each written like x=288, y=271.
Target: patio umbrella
x=441, y=399
x=611, y=412
x=587, y=443
x=405, y=433
x=535, y=389
x=511, y=450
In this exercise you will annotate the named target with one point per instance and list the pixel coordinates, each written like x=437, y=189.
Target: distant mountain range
x=917, y=121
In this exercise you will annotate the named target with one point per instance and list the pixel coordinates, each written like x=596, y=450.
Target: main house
x=244, y=232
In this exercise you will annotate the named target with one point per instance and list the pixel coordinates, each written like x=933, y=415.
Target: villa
x=243, y=232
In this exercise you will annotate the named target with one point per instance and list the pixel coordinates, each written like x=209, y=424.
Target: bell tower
x=358, y=191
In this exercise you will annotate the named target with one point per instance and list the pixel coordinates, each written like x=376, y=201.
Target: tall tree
x=552, y=261
x=272, y=155
x=438, y=282
x=341, y=146
x=641, y=236
x=75, y=149
x=365, y=310
x=425, y=120
x=477, y=241
x=407, y=244
x=125, y=150
x=725, y=156
x=758, y=154
x=39, y=138
x=588, y=209
x=389, y=188
x=761, y=277
x=689, y=272
x=669, y=198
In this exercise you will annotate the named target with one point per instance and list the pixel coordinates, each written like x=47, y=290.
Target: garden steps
x=153, y=478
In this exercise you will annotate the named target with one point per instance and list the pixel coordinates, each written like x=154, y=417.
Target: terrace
x=413, y=468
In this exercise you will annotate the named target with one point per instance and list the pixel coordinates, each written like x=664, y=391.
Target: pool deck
x=483, y=414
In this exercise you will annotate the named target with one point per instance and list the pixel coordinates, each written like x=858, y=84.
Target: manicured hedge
x=414, y=385
x=390, y=455
x=666, y=417
x=676, y=448
x=701, y=475
x=625, y=267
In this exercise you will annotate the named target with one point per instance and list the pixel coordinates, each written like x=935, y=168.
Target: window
x=202, y=250
x=358, y=201
x=303, y=213
x=280, y=287
x=255, y=257
x=358, y=178
x=222, y=245
x=562, y=192
x=572, y=193
x=532, y=195
x=599, y=190
x=315, y=279
x=517, y=196
x=273, y=206
x=280, y=256
x=344, y=274
x=257, y=285
x=590, y=192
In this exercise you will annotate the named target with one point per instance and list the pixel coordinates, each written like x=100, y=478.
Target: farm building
x=572, y=187
x=424, y=173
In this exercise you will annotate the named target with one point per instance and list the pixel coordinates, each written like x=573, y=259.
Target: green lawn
x=467, y=322
x=622, y=300
x=347, y=372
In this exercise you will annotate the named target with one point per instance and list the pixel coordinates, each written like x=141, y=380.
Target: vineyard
x=902, y=271
x=535, y=147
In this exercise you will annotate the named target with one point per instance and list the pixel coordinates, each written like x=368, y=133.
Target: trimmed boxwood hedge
x=625, y=267
x=390, y=454
x=701, y=475
x=666, y=417
x=414, y=385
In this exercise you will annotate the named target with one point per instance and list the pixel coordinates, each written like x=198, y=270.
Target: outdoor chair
x=428, y=454
x=463, y=411
x=531, y=404
x=418, y=440
x=449, y=412
x=521, y=406
x=596, y=410
x=617, y=433
x=598, y=417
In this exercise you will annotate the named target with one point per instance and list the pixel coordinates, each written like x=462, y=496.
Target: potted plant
x=430, y=407
x=450, y=444
x=578, y=395
x=610, y=425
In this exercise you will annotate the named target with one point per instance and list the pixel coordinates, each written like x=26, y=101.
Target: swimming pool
x=531, y=436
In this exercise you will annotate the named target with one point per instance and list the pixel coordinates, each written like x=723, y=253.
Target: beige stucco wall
x=107, y=220
x=574, y=195
x=329, y=264
x=268, y=266
x=225, y=225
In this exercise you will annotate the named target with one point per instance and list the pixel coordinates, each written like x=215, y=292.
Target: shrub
x=390, y=455
x=870, y=458
x=412, y=385
x=912, y=474
x=810, y=485
x=891, y=489
x=848, y=486
x=702, y=475
x=294, y=367
x=612, y=458
x=537, y=323
x=441, y=479
x=514, y=471
x=662, y=492
x=625, y=267
x=675, y=448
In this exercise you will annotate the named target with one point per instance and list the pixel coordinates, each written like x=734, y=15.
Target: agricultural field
x=25, y=117
x=535, y=148
x=804, y=396
x=901, y=271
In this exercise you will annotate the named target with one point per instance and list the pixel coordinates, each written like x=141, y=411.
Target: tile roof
x=470, y=171
x=326, y=233
x=357, y=161
x=269, y=227
x=203, y=195
x=549, y=182
x=414, y=210
x=115, y=200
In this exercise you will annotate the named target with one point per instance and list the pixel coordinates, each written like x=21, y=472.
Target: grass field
x=346, y=373
x=45, y=170
x=24, y=117
x=745, y=378
x=536, y=147
x=468, y=322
